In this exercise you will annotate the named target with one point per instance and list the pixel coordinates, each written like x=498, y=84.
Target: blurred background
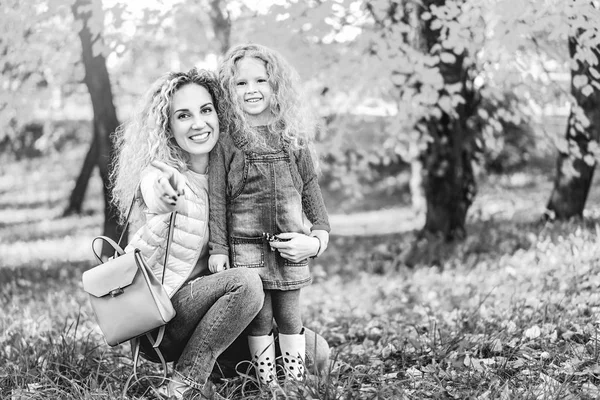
x=421, y=103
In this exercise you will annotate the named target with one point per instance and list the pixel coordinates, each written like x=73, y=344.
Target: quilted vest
x=189, y=240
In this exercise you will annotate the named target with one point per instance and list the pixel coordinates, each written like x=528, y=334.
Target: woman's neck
x=199, y=163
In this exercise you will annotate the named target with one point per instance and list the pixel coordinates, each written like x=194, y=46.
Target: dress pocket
x=248, y=252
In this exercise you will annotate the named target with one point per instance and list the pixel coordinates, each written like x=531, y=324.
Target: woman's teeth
x=200, y=137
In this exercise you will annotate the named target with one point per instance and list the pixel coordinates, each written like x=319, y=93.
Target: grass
x=510, y=313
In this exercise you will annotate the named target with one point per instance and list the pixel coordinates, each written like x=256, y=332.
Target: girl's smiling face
x=194, y=121
x=253, y=90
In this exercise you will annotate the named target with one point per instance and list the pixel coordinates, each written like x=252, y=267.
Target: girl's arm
x=312, y=200
x=297, y=246
x=217, y=192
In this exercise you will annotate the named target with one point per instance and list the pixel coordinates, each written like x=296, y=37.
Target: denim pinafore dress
x=269, y=200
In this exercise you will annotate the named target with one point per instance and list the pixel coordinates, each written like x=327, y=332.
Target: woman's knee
x=248, y=281
x=252, y=280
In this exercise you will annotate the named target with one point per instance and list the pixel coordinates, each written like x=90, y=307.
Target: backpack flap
x=112, y=277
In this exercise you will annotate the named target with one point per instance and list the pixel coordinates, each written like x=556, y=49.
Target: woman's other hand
x=218, y=263
x=296, y=247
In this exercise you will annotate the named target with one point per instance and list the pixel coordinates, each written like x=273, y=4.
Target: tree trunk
x=449, y=186
x=78, y=193
x=97, y=81
x=448, y=180
x=573, y=174
x=221, y=25
x=417, y=194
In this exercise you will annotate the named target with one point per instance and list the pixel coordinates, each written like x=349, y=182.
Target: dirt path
x=378, y=222
x=519, y=197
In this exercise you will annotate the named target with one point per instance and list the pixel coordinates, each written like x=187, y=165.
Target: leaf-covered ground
x=511, y=313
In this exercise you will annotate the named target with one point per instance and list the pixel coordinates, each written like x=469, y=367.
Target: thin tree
x=221, y=24
x=105, y=119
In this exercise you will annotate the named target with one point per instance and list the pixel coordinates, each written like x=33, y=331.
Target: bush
x=358, y=169
x=514, y=150
x=37, y=139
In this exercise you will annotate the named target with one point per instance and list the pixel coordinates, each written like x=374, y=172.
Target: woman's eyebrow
x=188, y=110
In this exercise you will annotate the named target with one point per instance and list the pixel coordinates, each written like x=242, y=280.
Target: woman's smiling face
x=194, y=120
x=253, y=90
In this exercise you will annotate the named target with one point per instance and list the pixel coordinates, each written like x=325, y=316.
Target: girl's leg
x=286, y=307
x=262, y=344
x=263, y=322
x=211, y=312
x=286, y=310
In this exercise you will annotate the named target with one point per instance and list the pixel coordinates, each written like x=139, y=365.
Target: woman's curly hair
x=291, y=115
x=147, y=136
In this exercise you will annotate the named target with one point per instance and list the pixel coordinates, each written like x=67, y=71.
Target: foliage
x=549, y=26
x=34, y=62
x=42, y=74
x=509, y=313
x=356, y=57
x=351, y=157
x=516, y=57
x=348, y=54
x=37, y=140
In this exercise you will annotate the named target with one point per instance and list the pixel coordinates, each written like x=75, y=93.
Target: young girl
x=262, y=181
x=162, y=158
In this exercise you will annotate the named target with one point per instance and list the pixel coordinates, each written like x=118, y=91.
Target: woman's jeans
x=212, y=311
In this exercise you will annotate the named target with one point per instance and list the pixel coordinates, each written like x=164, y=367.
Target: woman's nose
x=198, y=123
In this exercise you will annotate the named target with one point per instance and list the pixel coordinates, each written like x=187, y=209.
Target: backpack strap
x=128, y=216
x=168, y=247
x=118, y=250
x=135, y=342
x=135, y=350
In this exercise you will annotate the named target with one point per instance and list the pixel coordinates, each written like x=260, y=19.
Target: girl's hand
x=169, y=184
x=218, y=263
x=323, y=236
x=299, y=246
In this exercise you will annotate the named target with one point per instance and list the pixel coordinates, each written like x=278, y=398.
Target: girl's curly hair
x=291, y=115
x=147, y=136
